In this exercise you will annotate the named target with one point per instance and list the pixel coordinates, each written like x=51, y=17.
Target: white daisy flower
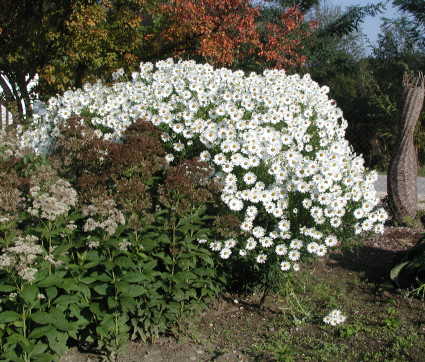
x=294, y=255
x=296, y=244
x=251, y=243
x=281, y=249
x=285, y=265
x=261, y=259
x=215, y=246
x=312, y=247
x=225, y=253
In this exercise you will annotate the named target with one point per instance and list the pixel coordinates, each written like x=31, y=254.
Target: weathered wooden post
x=403, y=167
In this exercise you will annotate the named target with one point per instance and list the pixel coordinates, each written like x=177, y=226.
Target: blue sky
x=371, y=24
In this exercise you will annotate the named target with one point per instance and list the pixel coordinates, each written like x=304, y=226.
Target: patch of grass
x=376, y=329
x=274, y=344
x=382, y=324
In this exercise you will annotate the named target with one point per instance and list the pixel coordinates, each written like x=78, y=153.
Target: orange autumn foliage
x=225, y=31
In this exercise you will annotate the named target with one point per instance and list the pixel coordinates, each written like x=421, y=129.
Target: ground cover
x=383, y=323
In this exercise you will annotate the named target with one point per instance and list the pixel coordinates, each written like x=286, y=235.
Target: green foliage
x=349, y=331
x=409, y=269
x=62, y=280
x=391, y=321
x=417, y=25
x=367, y=87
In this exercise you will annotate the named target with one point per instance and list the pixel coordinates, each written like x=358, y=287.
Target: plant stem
x=24, y=331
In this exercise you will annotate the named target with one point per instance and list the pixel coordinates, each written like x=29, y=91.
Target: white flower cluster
x=102, y=214
x=276, y=141
x=335, y=317
x=56, y=202
x=22, y=256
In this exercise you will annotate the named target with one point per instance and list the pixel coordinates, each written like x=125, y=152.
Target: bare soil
x=383, y=324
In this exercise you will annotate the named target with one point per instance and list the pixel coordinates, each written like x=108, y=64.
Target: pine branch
x=350, y=20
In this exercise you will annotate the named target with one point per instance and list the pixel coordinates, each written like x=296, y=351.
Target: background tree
x=69, y=42
x=65, y=42
x=230, y=33
x=415, y=8
x=26, y=43
x=365, y=84
x=396, y=52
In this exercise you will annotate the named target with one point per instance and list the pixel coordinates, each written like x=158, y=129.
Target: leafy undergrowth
x=383, y=323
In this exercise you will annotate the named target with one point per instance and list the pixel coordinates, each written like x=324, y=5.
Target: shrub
x=116, y=260
x=276, y=143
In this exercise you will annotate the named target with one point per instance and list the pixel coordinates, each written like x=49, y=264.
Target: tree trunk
x=403, y=167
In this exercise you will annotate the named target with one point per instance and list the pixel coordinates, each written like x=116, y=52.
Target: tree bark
x=403, y=167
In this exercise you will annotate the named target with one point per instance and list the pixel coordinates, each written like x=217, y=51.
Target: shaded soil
x=383, y=324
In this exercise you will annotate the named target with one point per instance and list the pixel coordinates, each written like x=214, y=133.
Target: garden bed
x=382, y=322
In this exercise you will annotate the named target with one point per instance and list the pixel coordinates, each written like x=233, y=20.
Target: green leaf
x=178, y=294
x=102, y=277
x=183, y=276
x=11, y=237
x=91, y=264
x=41, y=331
x=102, y=331
x=85, y=290
x=12, y=356
x=66, y=299
x=42, y=318
x=191, y=293
x=61, y=249
x=69, y=285
x=95, y=308
x=150, y=265
x=102, y=289
x=55, y=279
x=394, y=274
x=9, y=316
x=51, y=292
x=18, y=338
x=186, y=227
x=57, y=341
x=45, y=357
x=135, y=291
x=109, y=265
x=164, y=238
x=205, y=291
x=56, y=232
x=29, y=293
x=125, y=262
x=7, y=288
x=133, y=277
x=37, y=349
x=128, y=304
x=149, y=244
x=122, y=287
x=88, y=280
x=60, y=320
x=112, y=303
x=108, y=320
